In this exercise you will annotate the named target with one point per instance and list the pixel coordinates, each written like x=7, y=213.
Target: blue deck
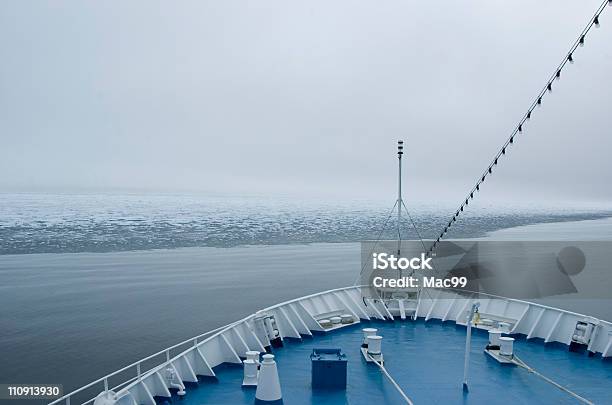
x=426, y=359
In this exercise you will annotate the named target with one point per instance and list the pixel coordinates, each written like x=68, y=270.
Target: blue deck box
x=328, y=368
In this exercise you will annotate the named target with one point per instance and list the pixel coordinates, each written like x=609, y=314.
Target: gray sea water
x=90, y=283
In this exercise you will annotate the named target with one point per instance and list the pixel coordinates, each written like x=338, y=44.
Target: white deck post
x=468, y=344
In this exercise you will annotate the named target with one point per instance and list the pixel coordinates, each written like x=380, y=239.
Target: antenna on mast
x=400, y=152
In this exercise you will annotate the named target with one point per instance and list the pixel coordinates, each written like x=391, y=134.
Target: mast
x=400, y=152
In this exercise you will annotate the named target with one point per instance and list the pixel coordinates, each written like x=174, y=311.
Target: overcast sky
x=303, y=97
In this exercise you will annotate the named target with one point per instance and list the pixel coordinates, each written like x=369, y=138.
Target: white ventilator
x=346, y=318
x=494, y=336
x=253, y=355
x=367, y=332
x=268, y=384
x=250, y=373
x=374, y=345
x=506, y=346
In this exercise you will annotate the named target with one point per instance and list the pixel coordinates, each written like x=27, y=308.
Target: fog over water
x=305, y=98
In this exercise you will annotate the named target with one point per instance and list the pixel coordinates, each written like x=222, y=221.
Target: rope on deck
x=396, y=385
x=522, y=364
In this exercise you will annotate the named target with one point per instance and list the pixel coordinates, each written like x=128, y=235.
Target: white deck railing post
x=468, y=344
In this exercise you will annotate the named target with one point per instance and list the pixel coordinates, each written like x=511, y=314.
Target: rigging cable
x=376, y=242
x=422, y=244
x=522, y=364
x=414, y=225
x=395, y=384
x=518, y=130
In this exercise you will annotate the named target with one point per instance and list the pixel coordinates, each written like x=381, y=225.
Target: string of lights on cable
x=520, y=127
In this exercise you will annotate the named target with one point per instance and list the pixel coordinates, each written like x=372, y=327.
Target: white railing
x=299, y=317
x=103, y=382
